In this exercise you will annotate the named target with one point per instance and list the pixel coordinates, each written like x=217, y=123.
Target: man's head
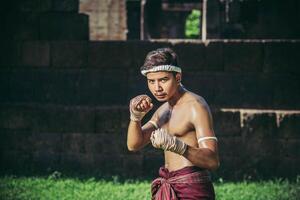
x=160, y=57
x=162, y=72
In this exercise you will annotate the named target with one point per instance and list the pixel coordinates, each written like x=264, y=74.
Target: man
x=182, y=127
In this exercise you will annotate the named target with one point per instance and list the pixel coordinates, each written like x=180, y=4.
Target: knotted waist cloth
x=188, y=183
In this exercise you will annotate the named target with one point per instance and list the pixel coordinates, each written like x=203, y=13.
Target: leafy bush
x=192, y=24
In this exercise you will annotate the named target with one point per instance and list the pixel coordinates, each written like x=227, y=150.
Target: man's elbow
x=214, y=165
x=132, y=147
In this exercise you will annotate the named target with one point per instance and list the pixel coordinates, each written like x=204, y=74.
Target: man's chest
x=176, y=122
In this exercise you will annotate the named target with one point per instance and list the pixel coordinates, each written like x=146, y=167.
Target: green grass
x=12, y=187
x=262, y=190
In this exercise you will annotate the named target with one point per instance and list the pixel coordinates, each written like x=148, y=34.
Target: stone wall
x=241, y=74
x=44, y=138
x=63, y=105
x=43, y=20
x=63, y=99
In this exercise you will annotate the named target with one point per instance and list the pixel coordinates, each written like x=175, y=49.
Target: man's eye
x=164, y=80
x=150, y=81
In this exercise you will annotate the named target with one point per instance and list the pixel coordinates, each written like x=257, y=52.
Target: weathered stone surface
x=73, y=143
x=77, y=161
x=78, y=118
x=108, y=120
x=290, y=148
x=20, y=26
x=106, y=144
x=231, y=146
x=46, y=161
x=53, y=26
x=227, y=90
x=243, y=57
x=256, y=91
x=151, y=164
x=119, y=52
x=292, y=164
x=214, y=58
x=229, y=167
x=70, y=120
x=10, y=53
x=213, y=17
x=16, y=118
x=286, y=93
x=65, y=5
x=137, y=84
x=47, y=119
x=226, y=123
x=260, y=148
x=34, y=6
x=36, y=54
x=15, y=161
x=18, y=141
x=66, y=86
x=108, y=164
x=133, y=165
x=203, y=84
x=142, y=48
x=47, y=143
x=69, y=54
x=242, y=156
x=265, y=167
x=281, y=57
x=290, y=126
x=114, y=87
x=192, y=56
x=260, y=125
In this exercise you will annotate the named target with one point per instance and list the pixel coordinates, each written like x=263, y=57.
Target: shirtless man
x=182, y=127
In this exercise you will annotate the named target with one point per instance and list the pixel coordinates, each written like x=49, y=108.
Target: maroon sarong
x=188, y=183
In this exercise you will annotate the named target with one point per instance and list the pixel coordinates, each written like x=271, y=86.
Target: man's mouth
x=160, y=95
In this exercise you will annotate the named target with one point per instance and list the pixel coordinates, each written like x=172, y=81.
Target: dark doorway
x=133, y=19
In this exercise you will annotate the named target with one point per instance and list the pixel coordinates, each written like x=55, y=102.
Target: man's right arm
x=138, y=136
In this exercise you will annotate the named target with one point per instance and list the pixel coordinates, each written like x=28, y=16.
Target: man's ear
x=178, y=77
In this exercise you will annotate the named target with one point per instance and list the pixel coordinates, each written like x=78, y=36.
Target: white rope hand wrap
x=161, y=139
x=136, y=115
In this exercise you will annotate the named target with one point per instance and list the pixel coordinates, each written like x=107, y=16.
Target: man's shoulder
x=195, y=99
x=198, y=106
x=162, y=107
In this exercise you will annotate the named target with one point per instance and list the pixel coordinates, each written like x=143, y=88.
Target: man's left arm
x=206, y=155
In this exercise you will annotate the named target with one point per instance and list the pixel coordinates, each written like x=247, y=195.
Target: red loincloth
x=188, y=183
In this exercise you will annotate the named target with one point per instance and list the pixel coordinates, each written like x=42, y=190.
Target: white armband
x=207, y=138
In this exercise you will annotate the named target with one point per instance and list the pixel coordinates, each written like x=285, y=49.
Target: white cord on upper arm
x=207, y=138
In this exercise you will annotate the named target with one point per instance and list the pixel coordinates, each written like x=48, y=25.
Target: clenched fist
x=139, y=106
x=160, y=138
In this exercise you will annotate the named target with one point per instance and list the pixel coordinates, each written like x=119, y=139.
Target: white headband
x=169, y=68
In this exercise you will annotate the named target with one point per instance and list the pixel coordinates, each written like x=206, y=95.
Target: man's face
x=162, y=85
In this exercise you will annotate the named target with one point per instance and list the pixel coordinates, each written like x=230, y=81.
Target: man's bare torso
x=177, y=121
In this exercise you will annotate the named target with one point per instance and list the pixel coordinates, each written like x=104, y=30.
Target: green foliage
x=192, y=24
x=56, y=187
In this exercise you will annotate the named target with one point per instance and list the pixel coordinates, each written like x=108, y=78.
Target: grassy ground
x=73, y=188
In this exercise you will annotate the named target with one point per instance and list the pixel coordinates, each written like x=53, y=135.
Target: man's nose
x=157, y=87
